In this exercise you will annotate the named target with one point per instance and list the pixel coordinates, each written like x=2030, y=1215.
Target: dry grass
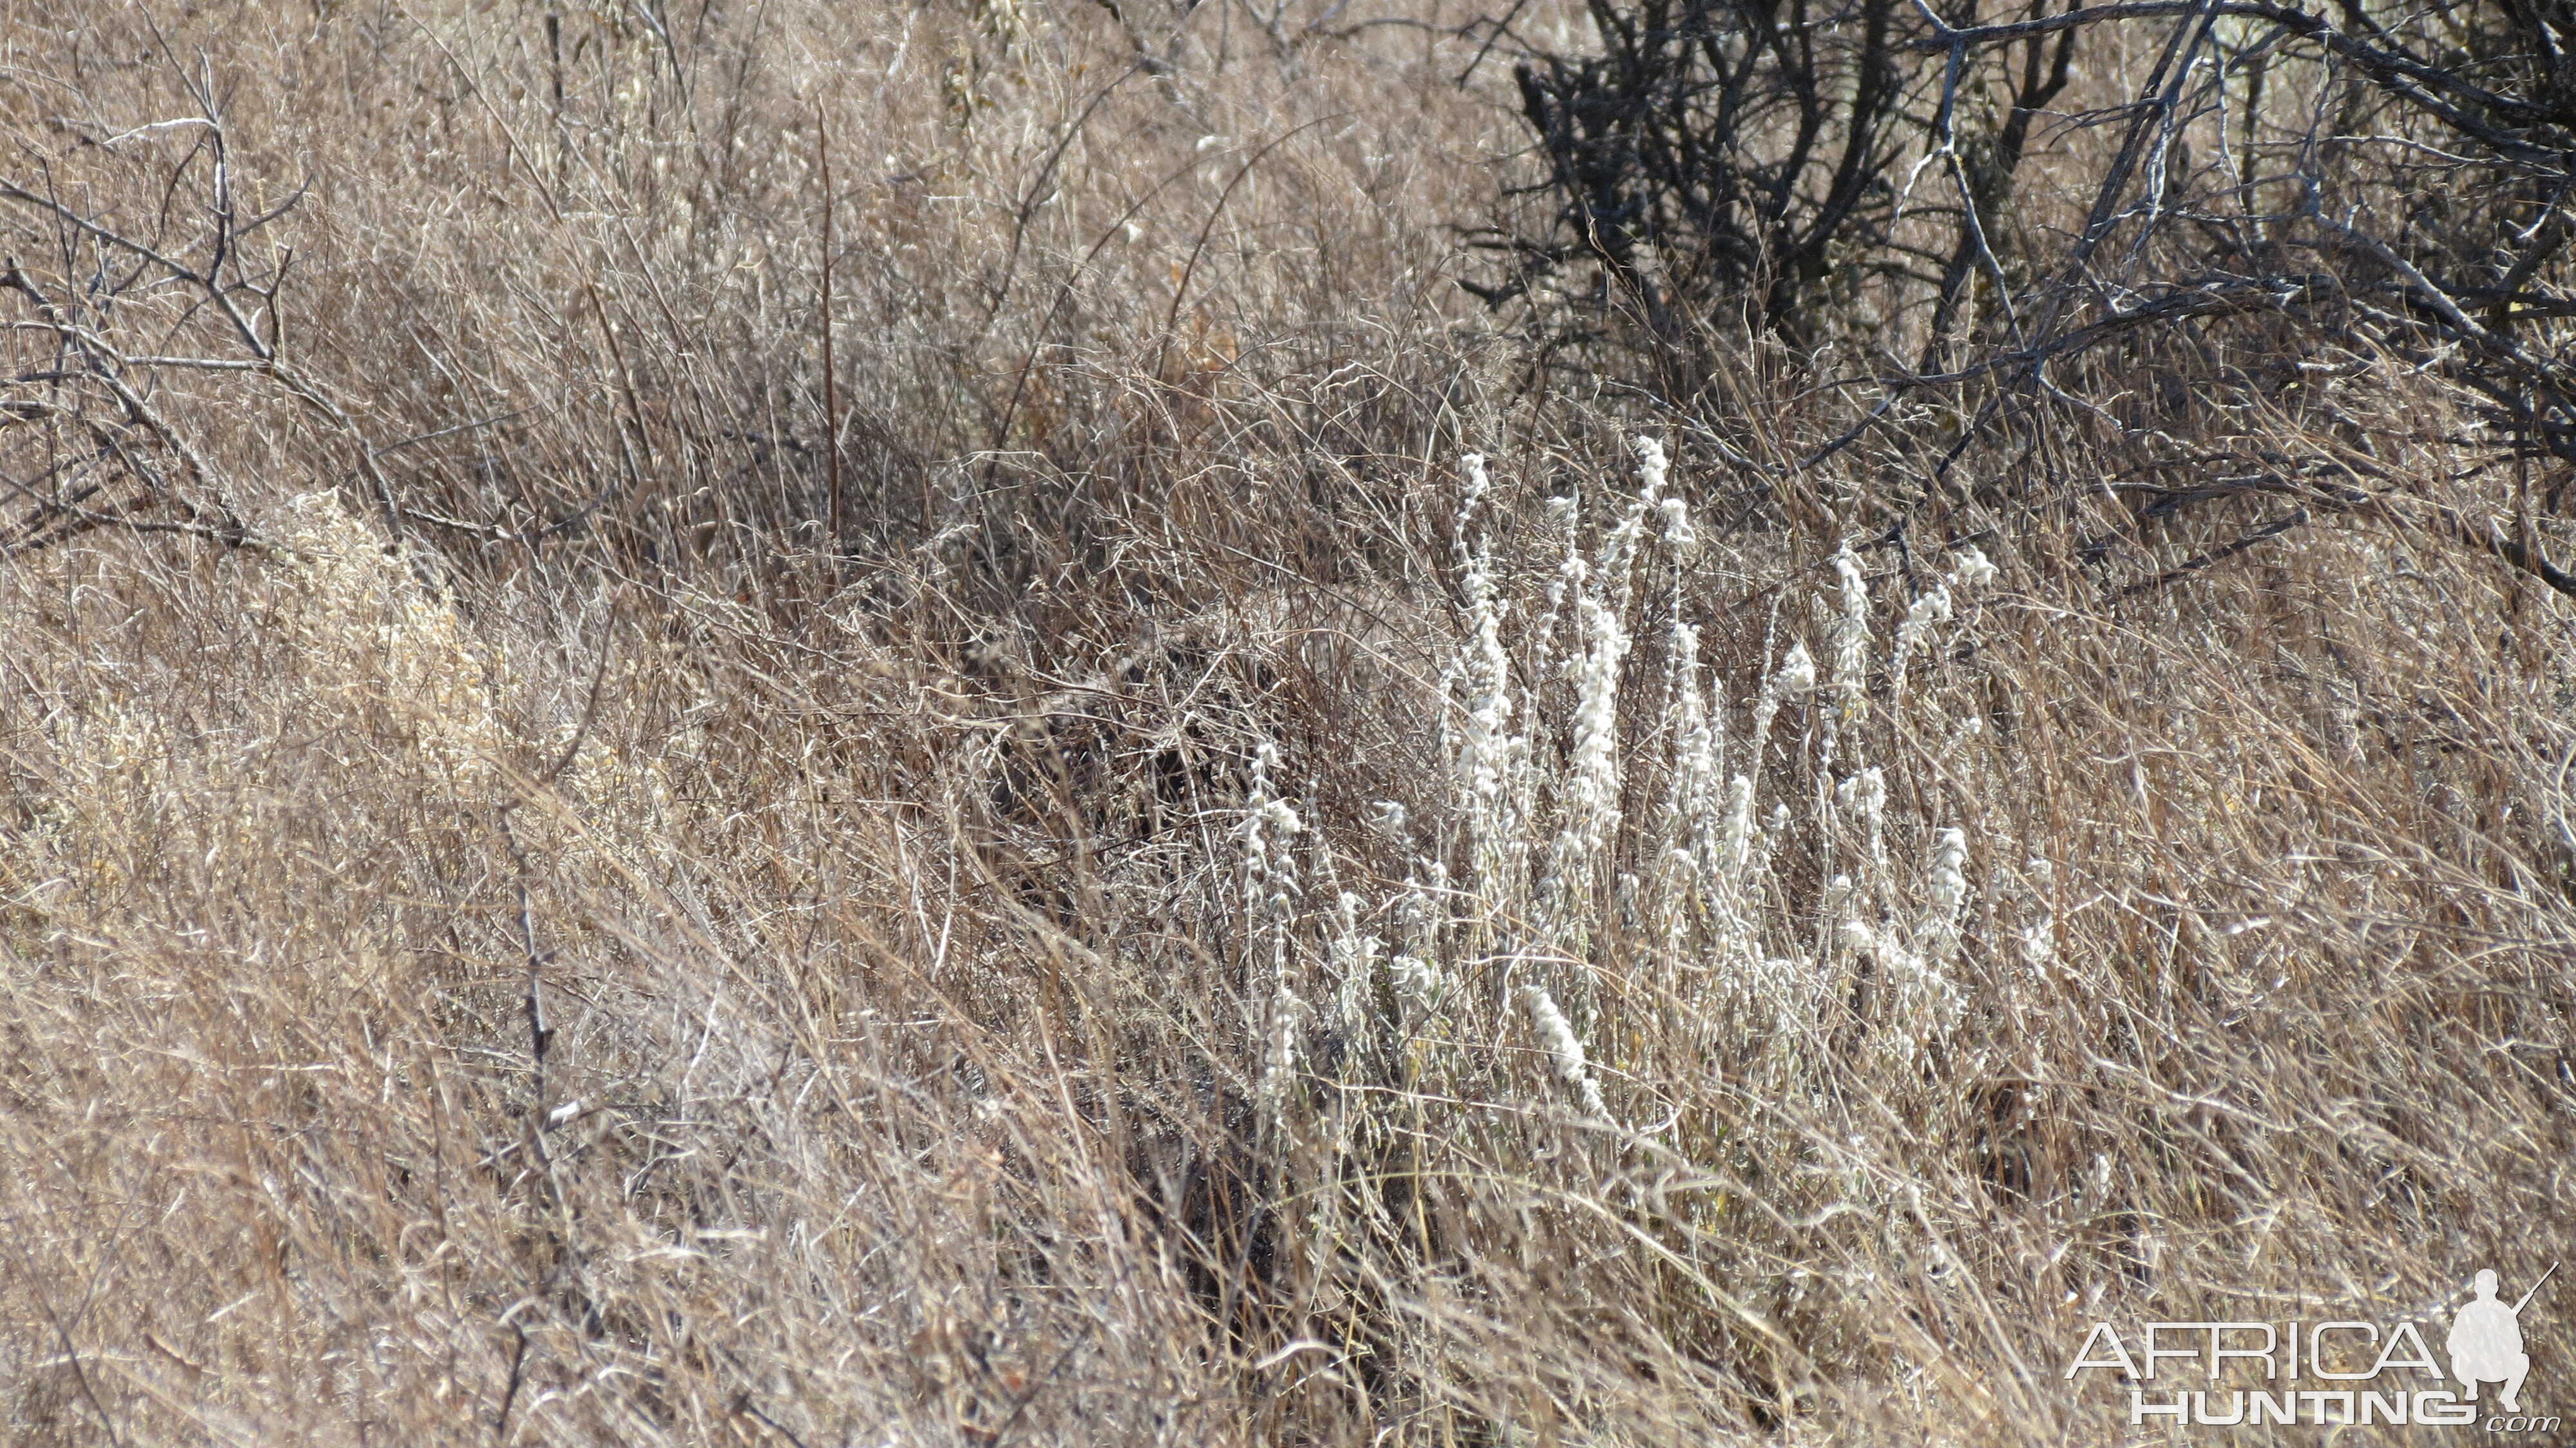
x=985, y=997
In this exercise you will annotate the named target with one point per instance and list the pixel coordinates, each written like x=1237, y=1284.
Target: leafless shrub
x=2284, y=196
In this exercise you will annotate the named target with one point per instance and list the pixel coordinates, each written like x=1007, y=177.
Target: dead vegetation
x=1096, y=879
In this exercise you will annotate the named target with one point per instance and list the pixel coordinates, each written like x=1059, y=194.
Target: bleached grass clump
x=1692, y=885
x=1594, y=788
x=1910, y=959
x=371, y=632
x=379, y=645
x=118, y=759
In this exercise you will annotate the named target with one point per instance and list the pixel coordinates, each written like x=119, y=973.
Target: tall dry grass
x=1204, y=916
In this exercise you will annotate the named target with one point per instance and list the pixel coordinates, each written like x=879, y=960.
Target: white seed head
x=1650, y=468
x=1735, y=840
x=1945, y=889
x=1564, y=1049
x=1677, y=526
x=1797, y=672
x=1280, y=1054
x=1851, y=631
x=1864, y=797
x=1487, y=757
x=1281, y=818
x=1973, y=568
x=1921, y=616
x=1593, y=797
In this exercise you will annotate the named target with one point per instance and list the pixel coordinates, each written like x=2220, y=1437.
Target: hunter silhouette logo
x=2321, y=1373
x=2486, y=1342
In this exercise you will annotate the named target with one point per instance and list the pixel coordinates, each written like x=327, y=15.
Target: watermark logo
x=2257, y=1373
x=2486, y=1342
